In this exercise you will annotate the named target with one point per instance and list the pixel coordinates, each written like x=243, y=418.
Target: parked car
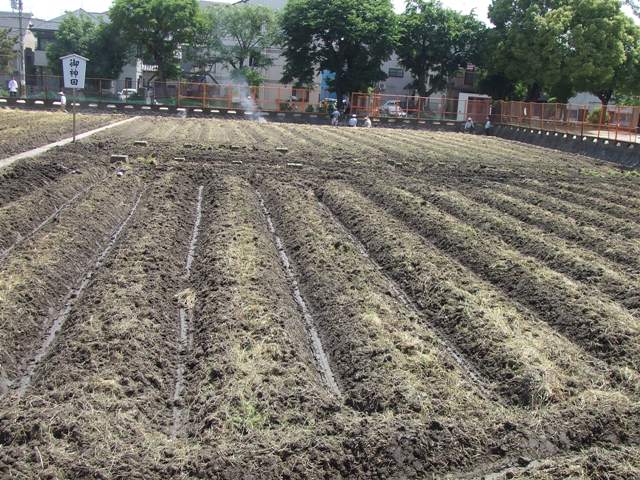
x=126, y=93
x=392, y=108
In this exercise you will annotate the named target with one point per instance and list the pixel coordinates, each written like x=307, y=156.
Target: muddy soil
x=469, y=334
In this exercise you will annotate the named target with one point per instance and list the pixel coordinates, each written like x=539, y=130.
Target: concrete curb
x=625, y=154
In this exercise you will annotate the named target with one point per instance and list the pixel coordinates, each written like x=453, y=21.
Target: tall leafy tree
x=521, y=43
x=348, y=37
x=236, y=37
x=108, y=53
x=600, y=45
x=157, y=28
x=7, y=54
x=434, y=42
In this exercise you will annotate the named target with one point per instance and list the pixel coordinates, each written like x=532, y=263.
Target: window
x=128, y=82
x=396, y=72
x=43, y=43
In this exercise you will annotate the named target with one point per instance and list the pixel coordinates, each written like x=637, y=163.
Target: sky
x=48, y=9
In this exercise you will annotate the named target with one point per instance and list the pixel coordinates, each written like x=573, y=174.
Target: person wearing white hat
x=63, y=101
x=353, y=121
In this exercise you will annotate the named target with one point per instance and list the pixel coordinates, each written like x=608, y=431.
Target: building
x=38, y=34
x=10, y=21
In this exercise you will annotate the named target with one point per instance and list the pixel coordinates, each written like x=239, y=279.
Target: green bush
x=594, y=117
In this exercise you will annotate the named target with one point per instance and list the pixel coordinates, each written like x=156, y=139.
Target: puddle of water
x=324, y=368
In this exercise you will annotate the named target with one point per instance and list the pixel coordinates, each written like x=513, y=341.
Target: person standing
x=13, y=87
x=335, y=117
x=488, y=127
x=63, y=101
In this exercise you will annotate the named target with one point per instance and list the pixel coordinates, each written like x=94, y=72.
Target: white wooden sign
x=74, y=68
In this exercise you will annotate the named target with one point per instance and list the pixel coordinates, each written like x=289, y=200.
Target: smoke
x=246, y=100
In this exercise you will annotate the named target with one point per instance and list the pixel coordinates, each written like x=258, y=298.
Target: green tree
x=435, y=42
x=600, y=45
x=348, y=37
x=108, y=53
x=236, y=37
x=7, y=54
x=521, y=46
x=158, y=28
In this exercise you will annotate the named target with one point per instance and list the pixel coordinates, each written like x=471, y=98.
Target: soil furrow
x=319, y=354
x=604, y=328
x=377, y=346
x=103, y=388
x=574, y=207
x=621, y=206
x=35, y=129
x=56, y=213
x=254, y=379
x=623, y=253
x=74, y=296
x=560, y=255
x=475, y=377
x=185, y=319
x=526, y=361
x=41, y=274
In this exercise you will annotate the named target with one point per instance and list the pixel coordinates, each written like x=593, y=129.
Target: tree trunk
x=604, y=96
x=422, y=85
x=533, y=93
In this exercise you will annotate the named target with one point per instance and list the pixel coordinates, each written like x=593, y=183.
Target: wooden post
x=74, y=115
x=205, y=102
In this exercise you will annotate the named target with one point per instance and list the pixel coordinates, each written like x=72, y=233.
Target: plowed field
x=23, y=130
x=285, y=301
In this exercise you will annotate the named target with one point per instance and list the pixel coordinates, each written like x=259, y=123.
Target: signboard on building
x=74, y=68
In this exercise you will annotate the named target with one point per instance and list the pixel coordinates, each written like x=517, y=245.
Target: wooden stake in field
x=74, y=67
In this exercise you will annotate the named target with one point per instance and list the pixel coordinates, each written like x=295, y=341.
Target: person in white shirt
x=488, y=126
x=353, y=121
x=367, y=122
x=63, y=101
x=469, y=127
x=335, y=117
x=13, y=88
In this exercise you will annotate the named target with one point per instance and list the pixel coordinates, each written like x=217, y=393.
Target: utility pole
x=17, y=4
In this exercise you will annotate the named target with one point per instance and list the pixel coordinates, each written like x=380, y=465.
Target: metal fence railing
x=267, y=98
x=425, y=108
x=616, y=123
x=272, y=98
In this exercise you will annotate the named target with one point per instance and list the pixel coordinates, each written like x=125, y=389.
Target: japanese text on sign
x=74, y=67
